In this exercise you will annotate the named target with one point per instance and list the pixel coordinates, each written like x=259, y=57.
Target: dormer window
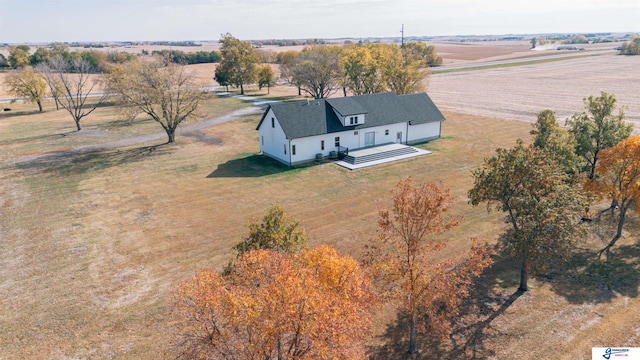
x=351, y=119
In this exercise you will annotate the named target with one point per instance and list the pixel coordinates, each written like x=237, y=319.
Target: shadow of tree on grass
x=203, y=138
x=35, y=138
x=586, y=279
x=477, y=312
x=581, y=279
x=78, y=162
x=14, y=113
x=250, y=166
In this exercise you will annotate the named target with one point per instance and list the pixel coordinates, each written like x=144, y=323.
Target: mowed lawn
x=91, y=245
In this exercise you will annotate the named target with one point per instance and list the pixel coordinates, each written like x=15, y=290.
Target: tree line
x=289, y=42
x=190, y=58
x=20, y=56
x=323, y=70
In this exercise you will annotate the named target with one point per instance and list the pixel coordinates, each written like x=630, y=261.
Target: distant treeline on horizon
x=593, y=37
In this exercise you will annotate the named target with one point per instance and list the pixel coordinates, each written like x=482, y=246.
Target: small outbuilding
x=302, y=131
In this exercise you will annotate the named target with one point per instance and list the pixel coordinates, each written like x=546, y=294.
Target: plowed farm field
x=520, y=92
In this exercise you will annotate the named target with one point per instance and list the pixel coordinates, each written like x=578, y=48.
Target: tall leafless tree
x=72, y=83
x=317, y=70
x=168, y=94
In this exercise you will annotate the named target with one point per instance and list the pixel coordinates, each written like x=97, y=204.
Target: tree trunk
x=241, y=89
x=39, y=105
x=412, y=335
x=57, y=103
x=268, y=89
x=623, y=211
x=524, y=276
x=171, y=135
x=279, y=349
x=299, y=91
x=78, y=126
x=592, y=172
x=344, y=91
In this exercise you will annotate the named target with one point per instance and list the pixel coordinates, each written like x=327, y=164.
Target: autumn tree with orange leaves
x=618, y=180
x=273, y=305
x=542, y=207
x=405, y=263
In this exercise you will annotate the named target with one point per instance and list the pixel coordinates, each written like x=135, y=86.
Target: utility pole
x=402, y=39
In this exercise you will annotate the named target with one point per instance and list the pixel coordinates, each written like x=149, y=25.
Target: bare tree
x=318, y=71
x=71, y=84
x=287, y=60
x=168, y=94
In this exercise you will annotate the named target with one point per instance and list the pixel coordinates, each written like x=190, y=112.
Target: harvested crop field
x=458, y=52
x=520, y=92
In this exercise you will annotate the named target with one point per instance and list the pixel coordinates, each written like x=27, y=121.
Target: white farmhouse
x=301, y=131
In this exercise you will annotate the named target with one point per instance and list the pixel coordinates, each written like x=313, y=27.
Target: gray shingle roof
x=301, y=118
x=347, y=106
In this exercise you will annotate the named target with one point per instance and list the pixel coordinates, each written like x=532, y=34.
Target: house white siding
x=273, y=140
x=390, y=136
x=307, y=148
x=304, y=130
x=423, y=132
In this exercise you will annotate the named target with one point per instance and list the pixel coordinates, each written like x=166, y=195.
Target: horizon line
x=603, y=33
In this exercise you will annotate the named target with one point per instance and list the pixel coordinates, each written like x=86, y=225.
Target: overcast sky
x=113, y=20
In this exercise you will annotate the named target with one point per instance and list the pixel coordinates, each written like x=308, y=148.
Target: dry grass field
x=92, y=243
